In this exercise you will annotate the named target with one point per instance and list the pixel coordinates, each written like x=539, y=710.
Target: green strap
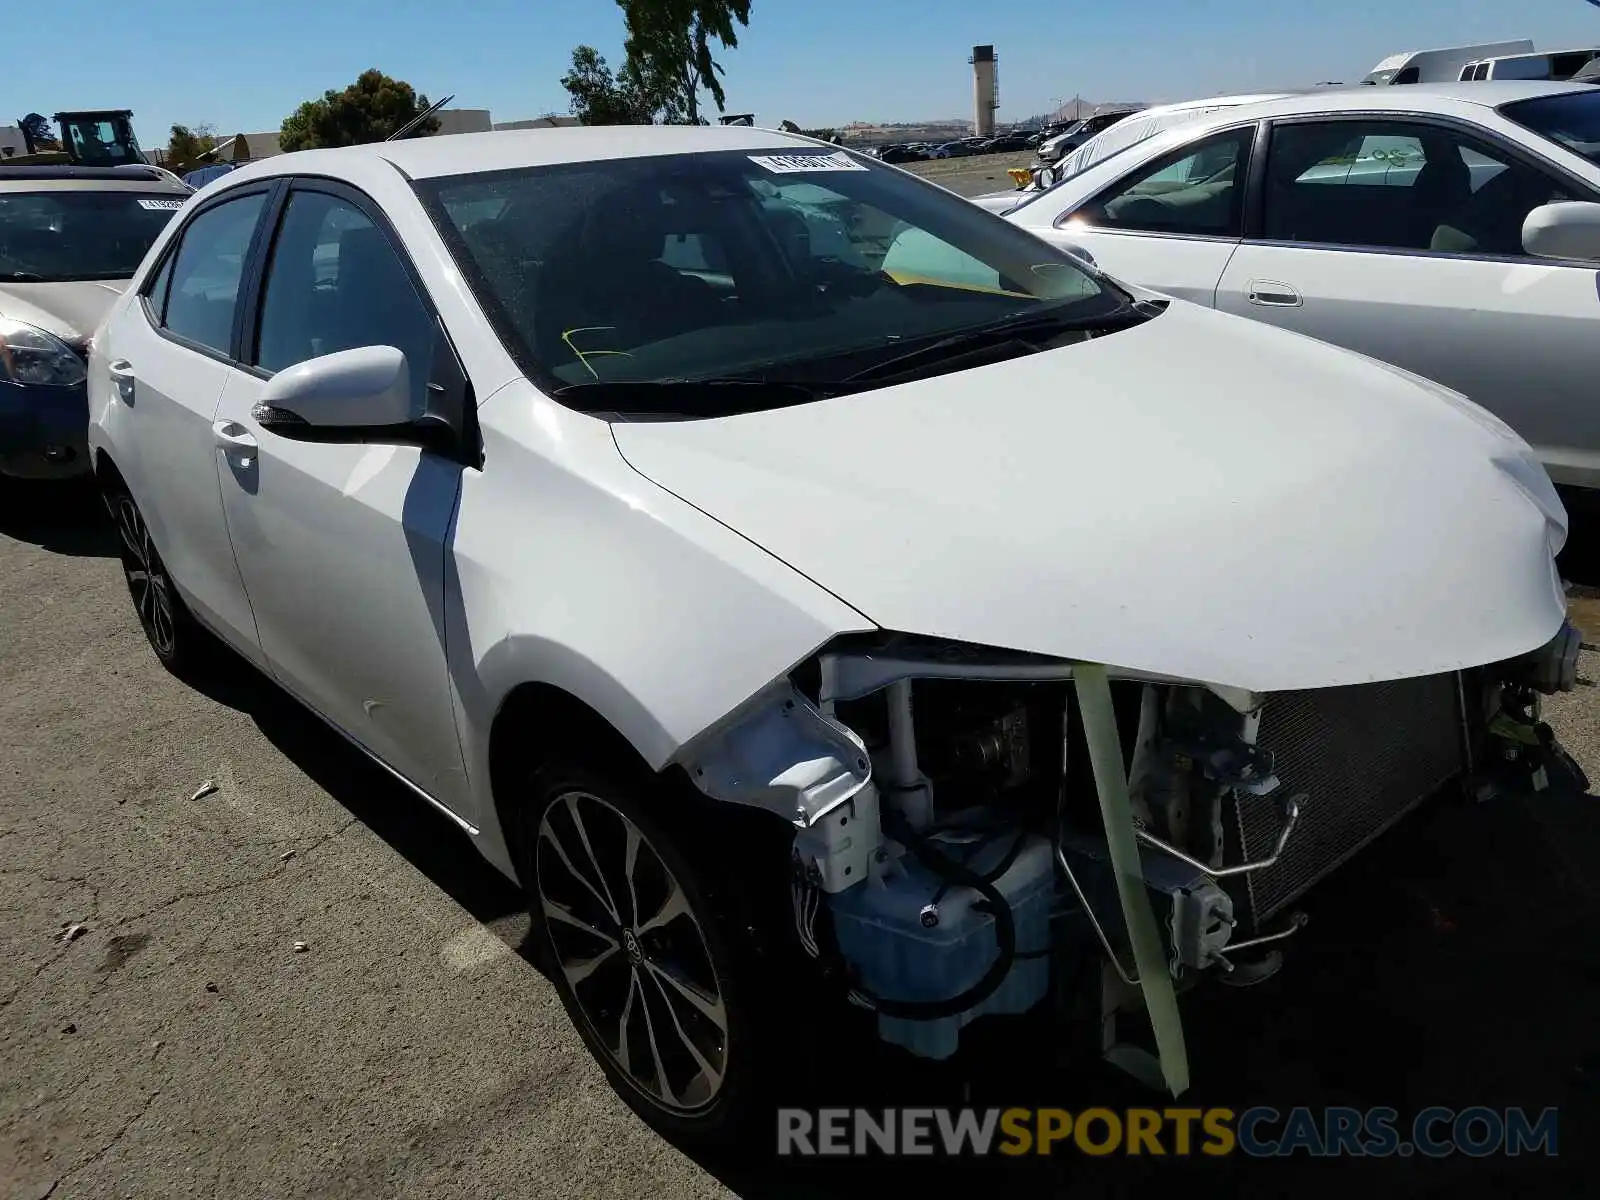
x=1111, y=781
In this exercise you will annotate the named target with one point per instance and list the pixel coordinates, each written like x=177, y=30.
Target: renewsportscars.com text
x=1259, y=1132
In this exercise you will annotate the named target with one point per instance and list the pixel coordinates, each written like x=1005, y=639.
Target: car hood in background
x=69, y=310
x=1201, y=497
x=1002, y=202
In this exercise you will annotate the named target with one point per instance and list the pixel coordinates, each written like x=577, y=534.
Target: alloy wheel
x=632, y=953
x=147, y=579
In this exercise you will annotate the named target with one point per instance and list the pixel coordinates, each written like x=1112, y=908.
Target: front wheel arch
x=539, y=725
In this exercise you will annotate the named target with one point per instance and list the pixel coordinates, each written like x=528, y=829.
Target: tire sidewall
x=670, y=825
x=187, y=651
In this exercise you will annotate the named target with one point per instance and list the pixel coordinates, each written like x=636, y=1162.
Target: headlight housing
x=29, y=355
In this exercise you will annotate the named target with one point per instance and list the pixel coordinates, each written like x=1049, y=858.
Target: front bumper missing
x=44, y=431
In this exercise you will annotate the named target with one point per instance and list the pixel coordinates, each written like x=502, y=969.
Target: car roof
x=1407, y=98
x=508, y=149
x=87, y=179
x=16, y=170
x=1416, y=97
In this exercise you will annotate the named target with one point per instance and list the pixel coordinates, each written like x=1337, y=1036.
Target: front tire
x=647, y=951
x=177, y=638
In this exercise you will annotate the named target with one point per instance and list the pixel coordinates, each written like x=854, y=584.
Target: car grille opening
x=1365, y=756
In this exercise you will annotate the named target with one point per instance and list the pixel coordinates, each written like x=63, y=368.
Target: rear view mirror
x=1570, y=229
x=368, y=388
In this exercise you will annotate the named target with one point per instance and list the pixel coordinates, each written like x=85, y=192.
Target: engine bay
x=974, y=828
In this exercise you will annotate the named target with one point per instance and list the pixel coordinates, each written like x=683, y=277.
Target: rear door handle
x=236, y=440
x=121, y=372
x=1272, y=294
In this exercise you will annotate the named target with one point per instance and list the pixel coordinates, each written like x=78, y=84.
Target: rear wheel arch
x=107, y=472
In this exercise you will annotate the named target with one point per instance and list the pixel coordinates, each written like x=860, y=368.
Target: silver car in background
x=70, y=239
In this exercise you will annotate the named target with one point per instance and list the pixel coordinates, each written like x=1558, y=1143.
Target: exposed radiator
x=1365, y=756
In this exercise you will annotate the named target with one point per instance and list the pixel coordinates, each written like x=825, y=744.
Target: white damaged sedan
x=810, y=586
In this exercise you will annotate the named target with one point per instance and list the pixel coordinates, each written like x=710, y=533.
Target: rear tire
x=649, y=945
x=180, y=642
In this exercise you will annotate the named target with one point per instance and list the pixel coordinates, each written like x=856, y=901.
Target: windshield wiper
x=1026, y=329
x=679, y=399
x=22, y=277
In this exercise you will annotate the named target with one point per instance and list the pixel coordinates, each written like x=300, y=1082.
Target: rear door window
x=1197, y=190
x=207, y=270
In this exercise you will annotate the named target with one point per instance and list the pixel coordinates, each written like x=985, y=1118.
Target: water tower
x=985, y=89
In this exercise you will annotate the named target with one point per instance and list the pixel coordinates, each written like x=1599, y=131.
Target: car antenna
x=405, y=130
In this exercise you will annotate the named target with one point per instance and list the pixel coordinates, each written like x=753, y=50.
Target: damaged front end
x=975, y=826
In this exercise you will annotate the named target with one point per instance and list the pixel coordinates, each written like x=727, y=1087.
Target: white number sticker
x=160, y=205
x=794, y=164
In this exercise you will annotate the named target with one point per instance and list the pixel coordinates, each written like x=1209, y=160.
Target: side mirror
x=1570, y=229
x=368, y=388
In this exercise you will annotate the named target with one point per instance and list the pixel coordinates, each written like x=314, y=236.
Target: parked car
x=201, y=176
x=901, y=154
x=548, y=467
x=1453, y=230
x=70, y=238
x=1054, y=148
x=953, y=150
x=1554, y=64
x=1007, y=143
x=1438, y=66
x=1113, y=140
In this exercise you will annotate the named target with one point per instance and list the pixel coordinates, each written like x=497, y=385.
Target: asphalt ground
x=975, y=175
x=180, y=1044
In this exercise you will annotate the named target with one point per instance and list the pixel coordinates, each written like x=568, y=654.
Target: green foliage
x=601, y=98
x=369, y=110
x=186, y=147
x=669, y=51
x=668, y=64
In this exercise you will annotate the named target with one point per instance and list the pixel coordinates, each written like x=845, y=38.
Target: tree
x=599, y=97
x=186, y=148
x=669, y=51
x=369, y=110
x=37, y=134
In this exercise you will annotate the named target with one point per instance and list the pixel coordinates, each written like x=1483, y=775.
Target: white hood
x=70, y=310
x=1201, y=496
x=1002, y=202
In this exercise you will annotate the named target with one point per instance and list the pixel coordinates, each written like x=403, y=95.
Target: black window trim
x=1255, y=203
x=250, y=334
x=247, y=329
x=1256, y=129
x=268, y=187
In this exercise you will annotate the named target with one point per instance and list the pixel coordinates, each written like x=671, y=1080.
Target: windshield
x=800, y=266
x=51, y=236
x=1571, y=120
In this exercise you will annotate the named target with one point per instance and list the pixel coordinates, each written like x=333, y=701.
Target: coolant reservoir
x=912, y=936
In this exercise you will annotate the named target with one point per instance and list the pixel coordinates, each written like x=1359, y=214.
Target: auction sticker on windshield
x=161, y=205
x=791, y=164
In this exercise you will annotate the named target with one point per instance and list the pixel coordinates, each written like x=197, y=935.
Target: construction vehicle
x=87, y=138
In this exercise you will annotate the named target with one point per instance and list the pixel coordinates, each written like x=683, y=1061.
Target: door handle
x=1270, y=293
x=236, y=439
x=121, y=373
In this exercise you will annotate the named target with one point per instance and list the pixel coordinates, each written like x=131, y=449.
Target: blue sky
x=817, y=62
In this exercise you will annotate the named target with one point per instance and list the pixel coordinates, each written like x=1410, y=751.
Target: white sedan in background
x=610, y=489
x=1453, y=230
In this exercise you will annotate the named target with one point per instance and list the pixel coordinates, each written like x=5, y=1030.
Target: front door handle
x=121, y=373
x=237, y=440
x=1270, y=293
